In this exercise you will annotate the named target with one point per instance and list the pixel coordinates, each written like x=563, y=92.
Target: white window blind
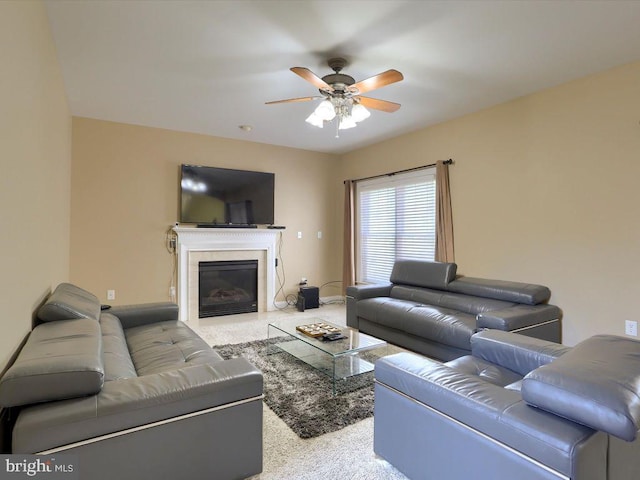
x=396, y=218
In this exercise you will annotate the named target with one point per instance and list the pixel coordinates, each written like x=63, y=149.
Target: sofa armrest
x=519, y=316
x=134, y=402
x=181, y=391
x=360, y=292
x=356, y=293
x=519, y=353
x=144, y=313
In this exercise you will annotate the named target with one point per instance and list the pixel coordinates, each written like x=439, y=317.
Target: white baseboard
x=281, y=304
x=332, y=299
x=323, y=300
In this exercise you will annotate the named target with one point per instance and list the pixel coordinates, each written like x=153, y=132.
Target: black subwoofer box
x=309, y=297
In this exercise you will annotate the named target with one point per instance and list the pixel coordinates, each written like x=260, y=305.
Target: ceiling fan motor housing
x=339, y=81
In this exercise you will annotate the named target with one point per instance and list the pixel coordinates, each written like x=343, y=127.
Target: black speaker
x=300, y=303
x=310, y=297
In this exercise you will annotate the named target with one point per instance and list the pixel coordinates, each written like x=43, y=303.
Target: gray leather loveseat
x=428, y=309
x=517, y=408
x=133, y=392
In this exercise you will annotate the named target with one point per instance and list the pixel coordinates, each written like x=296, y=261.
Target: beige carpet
x=344, y=454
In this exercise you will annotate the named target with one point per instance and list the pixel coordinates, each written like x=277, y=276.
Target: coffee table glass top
x=339, y=359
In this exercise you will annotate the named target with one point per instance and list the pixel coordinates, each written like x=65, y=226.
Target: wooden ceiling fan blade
x=290, y=100
x=312, y=78
x=378, y=104
x=377, y=81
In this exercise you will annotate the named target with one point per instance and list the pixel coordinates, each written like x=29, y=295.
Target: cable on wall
x=171, y=243
x=281, y=280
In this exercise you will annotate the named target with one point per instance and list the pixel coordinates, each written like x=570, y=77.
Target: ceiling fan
x=342, y=95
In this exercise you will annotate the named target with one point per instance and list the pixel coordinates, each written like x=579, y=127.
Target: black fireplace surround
x=227, y=287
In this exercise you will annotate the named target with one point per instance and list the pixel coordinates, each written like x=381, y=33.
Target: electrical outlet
x=299, y=234
x=172, y=292
x=111, y=294
x=631, y=328
x=319, y=235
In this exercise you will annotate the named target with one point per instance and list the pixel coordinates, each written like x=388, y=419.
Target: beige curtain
x=348, y=255
x=444, y=220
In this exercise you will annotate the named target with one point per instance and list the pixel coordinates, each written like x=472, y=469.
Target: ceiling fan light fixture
x=325, y=111
x=359, y=113
x=341, y=95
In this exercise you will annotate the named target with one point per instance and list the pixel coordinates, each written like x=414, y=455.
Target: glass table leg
x=333, y=377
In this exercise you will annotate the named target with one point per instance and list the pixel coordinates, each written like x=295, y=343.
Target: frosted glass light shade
x=346, y=122
x=359, y=113
x=325, y=111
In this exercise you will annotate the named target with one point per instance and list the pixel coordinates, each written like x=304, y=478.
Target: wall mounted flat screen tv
x=223, y=196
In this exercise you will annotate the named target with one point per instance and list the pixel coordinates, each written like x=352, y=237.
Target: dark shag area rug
x=302, y=396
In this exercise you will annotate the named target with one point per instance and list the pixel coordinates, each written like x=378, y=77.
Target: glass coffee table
x=339, y=359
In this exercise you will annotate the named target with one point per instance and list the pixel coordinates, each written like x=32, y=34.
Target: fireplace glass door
x=227, y=287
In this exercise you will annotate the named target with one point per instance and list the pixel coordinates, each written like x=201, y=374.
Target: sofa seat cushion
x=59, y=360
x=68, y=301
x=165, y=346
x=115, y=353
x=489, y=372
x=441, y=325
x=596, y=383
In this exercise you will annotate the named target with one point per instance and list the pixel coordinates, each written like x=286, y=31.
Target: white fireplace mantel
x=196, y=242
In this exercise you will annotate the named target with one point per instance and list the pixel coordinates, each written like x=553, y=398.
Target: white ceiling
x=210, y=66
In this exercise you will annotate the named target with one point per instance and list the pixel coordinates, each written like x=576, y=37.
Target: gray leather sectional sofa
x=516, y=408
x=133, y=392
x=427, y=308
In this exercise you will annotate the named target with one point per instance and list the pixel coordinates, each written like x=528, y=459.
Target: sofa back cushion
x=597, y=384
x=454, y=301
x=115, y=351
x=68, y=301
x=423, y=274
x=59, y=360
x=517, y=292
x=519, y=353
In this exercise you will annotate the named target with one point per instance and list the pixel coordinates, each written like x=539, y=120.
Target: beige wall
x=544, y=190
x=35, y=154
x=125, y=196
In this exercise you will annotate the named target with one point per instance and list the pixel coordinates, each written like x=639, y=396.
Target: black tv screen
x=218, y=196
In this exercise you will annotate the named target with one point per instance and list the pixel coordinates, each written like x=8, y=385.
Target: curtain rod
x=446, y=162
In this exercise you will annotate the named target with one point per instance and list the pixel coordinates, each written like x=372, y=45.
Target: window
x=396, y=218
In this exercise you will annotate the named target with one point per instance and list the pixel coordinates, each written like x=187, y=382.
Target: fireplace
x=227, y=287
x=197, y=245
